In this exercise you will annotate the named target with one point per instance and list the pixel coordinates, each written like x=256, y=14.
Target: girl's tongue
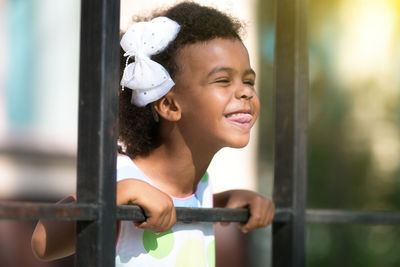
x=240, y=119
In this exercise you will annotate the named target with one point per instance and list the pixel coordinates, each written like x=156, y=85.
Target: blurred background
x=354, y=122
x=354, y=134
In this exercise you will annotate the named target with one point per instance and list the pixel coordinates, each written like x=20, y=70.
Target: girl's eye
x=249, y=82
x=223, y=82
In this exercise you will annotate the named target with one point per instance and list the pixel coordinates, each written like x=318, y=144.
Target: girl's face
x=215, y=89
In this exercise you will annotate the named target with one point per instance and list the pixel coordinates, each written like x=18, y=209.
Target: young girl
x=187, y=91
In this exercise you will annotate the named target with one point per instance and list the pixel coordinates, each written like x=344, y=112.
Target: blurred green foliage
x=354, y=124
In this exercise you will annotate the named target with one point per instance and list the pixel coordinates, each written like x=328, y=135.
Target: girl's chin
x=240, y=143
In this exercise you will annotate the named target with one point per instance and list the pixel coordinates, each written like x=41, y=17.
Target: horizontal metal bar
x=47, y=211
x=352, y=216
x=78, y=212
x=86, y=212
x=131, y=213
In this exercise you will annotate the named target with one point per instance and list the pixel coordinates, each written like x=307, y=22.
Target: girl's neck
x=175, y=168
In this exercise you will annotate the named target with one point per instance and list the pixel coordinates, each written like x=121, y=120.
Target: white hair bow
x=148, y=79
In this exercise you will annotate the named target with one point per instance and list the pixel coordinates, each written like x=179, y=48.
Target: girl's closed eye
x=223, y=81
x=250, y=82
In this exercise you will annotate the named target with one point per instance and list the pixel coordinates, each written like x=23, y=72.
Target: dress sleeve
x=126, y=169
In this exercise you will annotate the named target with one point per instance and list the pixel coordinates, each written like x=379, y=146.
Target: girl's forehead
x=214, y=52
x=221, y=43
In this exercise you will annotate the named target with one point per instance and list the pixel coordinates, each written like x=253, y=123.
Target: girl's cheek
x=256, y=103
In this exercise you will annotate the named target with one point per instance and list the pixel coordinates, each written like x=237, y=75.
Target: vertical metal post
x=291, y=103
x=97, y=130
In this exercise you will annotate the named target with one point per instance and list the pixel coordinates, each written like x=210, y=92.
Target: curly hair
x=138, y=131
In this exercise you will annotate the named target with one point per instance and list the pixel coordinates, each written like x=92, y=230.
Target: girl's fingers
x=173, y=217
x=253, y=223
x=164, y=223
x=150, y=225
x=167, y=218
x=261, y=216
x=159, y=222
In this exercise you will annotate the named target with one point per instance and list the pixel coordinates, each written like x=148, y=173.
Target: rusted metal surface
x=46, y=211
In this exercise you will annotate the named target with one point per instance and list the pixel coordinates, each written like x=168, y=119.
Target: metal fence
x=96, y=211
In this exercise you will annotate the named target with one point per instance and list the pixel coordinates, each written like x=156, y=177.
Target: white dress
x=184, y=245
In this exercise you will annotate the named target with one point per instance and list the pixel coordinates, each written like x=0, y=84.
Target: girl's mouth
x=242, y=120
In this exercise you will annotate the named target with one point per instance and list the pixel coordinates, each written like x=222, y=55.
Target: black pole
x=97, y=130
x=291, y=102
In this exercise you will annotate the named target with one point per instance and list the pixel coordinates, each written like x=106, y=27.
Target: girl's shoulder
x=127, y=169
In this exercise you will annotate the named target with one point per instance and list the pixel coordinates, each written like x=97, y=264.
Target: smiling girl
x=187, y=91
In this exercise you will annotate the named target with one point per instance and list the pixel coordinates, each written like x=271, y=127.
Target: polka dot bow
x=148, y=79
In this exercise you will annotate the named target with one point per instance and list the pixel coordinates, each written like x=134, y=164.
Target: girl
x=187, y=91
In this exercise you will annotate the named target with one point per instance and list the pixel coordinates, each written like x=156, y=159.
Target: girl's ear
x=168, y=108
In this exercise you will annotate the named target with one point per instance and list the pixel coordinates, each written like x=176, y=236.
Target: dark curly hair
x=138, y=131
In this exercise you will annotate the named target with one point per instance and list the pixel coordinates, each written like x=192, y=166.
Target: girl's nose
x=244, y=92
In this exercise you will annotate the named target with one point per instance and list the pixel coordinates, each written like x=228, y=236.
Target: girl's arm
x=158, y=207
x=262, y=210
x=56, y=239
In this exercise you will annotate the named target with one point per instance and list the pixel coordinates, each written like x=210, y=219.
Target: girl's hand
x=262, y=210
x=158, y=206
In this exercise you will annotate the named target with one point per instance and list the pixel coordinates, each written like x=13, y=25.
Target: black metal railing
x=291, y=119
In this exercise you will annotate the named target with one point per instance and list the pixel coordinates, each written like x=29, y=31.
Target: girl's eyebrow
x=250, y=71
x=229, y=70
